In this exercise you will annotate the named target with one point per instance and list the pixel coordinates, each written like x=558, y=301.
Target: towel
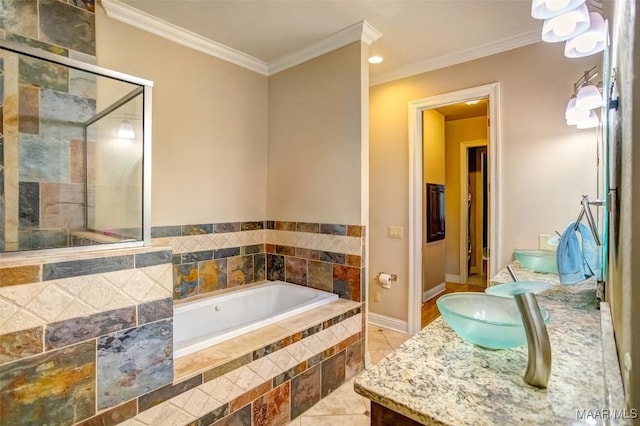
x=576, y=263
x=591, y=252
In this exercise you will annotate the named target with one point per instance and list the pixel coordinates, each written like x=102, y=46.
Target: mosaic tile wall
x=209, y=258
x=45, y=103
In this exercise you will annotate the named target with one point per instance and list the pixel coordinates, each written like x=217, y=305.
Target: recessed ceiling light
x=375, y=59
x=472, y=102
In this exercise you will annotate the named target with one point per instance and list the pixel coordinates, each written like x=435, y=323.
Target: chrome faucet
x=538, y=345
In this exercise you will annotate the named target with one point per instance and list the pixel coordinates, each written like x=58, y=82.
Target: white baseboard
x=450, y=278
x=433, y=292
x=389, y=323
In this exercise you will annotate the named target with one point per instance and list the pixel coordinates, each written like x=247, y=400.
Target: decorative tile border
x=86, y=288
x=210, y=258
x=335, y=238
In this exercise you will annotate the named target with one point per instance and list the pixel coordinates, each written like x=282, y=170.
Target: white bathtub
x=205, y=322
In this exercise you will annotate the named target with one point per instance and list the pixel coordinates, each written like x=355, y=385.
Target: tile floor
x=344, y=407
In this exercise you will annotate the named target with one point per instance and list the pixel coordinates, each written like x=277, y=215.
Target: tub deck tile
x=198, y=362
x=318, y=315
x=253, y=340
x=211, y=361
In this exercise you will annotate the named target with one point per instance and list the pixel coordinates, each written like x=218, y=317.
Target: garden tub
x=206, y=322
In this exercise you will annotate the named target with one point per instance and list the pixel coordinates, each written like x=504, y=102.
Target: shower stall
x=75, y=144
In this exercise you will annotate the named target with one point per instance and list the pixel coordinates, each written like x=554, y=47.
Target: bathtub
x=206, y=322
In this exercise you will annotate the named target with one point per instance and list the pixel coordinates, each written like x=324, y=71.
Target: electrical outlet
x=395, y=232
x=376, y=296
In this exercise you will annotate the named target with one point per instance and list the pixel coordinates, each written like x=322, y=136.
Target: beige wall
x=457, y=132
x=433, y=170
x=209, y=127
x=315, y=139
x=545, y=165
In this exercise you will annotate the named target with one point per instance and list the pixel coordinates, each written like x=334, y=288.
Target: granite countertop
x=437, y=378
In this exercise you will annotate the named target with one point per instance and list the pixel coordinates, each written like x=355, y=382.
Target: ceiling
x=417, y=35
x=463, y=110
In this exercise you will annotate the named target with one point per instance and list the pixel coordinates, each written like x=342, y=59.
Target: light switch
x=395, y=232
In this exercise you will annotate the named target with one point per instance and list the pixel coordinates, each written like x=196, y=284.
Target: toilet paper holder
x=394, y=277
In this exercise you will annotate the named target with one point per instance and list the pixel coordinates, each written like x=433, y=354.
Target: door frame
x=492, y=91
x=464, y=215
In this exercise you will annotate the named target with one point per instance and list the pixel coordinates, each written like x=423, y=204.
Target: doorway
x=474, y=202
x=482, y=261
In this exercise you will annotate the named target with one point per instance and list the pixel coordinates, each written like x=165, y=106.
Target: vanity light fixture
x=574, y=115
x=545, y=9
x=578, y=22
x=375, y=59
x=588, y=98
x=125, y=131
x=592, y=41
x=590, y=122
x=567, y=25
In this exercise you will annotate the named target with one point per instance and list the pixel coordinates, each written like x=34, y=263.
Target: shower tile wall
x=45, y=178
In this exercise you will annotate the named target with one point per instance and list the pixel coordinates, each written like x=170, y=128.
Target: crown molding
x=129, y=15
x=459, y=57
x=369, y=33
x=361, y=31
x=139, y=19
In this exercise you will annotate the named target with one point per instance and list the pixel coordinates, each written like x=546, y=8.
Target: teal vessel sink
x=511, y=289
x=537, y=260
x=486, y=320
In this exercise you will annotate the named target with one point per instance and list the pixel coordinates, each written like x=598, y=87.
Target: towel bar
x=586, y=210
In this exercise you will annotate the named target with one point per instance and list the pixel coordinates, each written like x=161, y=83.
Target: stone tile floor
x=344, y=407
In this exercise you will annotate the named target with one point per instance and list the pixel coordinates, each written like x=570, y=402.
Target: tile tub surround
x=271, y=375
x=215, y=257
x=87, y=330
x=455, y=382
x=37, y=291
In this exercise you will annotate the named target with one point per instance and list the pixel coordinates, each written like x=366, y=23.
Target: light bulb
x=588, y=98
x=591, y=121
x=545, y=9
x=574, y=115
x=592, y=41
x=125, y=131
x=566, y=26
x=555, y=5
